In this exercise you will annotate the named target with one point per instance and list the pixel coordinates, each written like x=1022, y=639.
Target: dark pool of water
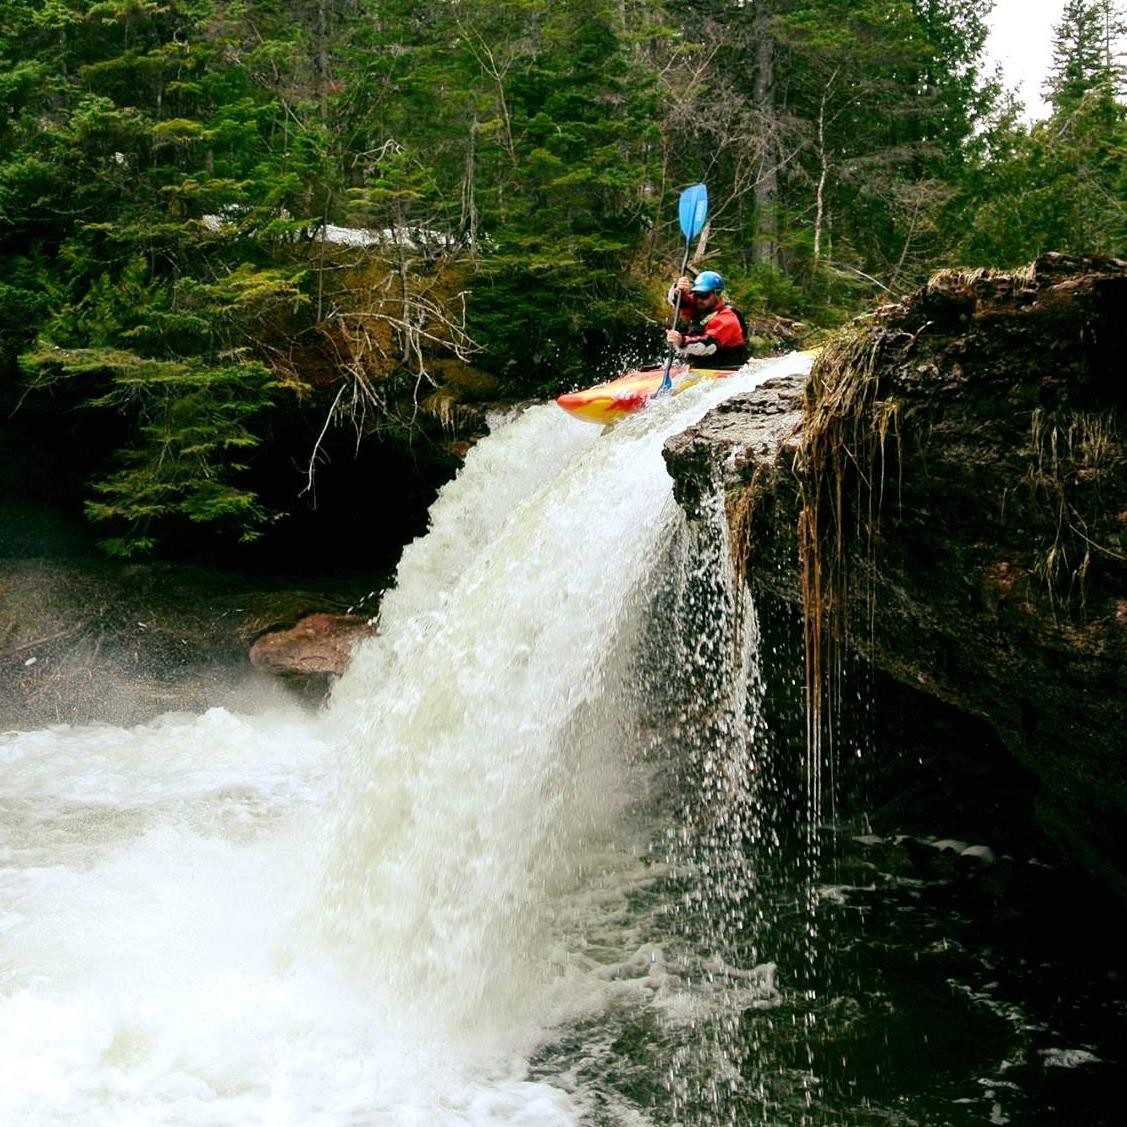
x=915, y=987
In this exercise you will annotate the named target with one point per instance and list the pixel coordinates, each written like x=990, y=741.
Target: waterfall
x=380, y=913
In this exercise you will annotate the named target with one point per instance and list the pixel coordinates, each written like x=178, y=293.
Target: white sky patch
x=1021, y=40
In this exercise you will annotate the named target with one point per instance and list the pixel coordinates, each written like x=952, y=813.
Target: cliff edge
x=947, y=496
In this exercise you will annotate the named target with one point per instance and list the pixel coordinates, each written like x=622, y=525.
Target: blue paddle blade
x=694, y=210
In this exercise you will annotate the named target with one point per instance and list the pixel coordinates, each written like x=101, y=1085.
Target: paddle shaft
x=666, y=379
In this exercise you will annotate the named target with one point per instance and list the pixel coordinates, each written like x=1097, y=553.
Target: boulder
x=319, y=644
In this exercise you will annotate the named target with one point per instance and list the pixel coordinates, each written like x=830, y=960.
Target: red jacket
x=716, y=338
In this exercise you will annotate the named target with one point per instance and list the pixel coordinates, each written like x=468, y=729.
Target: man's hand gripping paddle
x=693, y=213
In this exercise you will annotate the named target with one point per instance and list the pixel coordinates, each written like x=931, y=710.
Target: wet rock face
x=961, y=469
x=741, y=437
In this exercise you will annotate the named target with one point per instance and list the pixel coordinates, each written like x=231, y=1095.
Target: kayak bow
x=609, y=402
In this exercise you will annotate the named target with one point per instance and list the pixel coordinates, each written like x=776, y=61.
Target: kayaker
x=716, y=335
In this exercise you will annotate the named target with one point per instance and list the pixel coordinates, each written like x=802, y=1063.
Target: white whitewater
x=372, y=915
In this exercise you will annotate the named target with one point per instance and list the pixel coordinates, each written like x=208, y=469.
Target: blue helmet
x=708, y=281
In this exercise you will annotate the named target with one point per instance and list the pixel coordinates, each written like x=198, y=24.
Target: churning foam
x=371, y=915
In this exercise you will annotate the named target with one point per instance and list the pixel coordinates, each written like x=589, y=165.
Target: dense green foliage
x=170, y=171
x=1062, y=184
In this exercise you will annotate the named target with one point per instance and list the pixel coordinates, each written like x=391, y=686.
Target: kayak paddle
x=693, y=212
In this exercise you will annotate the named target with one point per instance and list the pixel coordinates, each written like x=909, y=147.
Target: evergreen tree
x=1113, y=36
x=170, y=173
x=834, y=129
x=1080, y=56
x=141, y=203
x=1060, y=184
x=572, y=209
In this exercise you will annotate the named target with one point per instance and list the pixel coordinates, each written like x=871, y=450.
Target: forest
x=241, y=238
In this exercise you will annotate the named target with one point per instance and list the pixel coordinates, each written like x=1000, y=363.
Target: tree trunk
x=824, y=162
x=765, y=243
x=469, y=191
x=323, y=58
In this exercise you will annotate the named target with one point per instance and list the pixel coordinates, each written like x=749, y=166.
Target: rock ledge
x=953, y=491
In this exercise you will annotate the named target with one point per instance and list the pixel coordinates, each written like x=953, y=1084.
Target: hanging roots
x=842, y=469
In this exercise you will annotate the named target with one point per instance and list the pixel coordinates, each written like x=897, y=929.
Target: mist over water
x=381, y=913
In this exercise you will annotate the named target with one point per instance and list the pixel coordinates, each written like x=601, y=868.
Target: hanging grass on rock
x=842, y=471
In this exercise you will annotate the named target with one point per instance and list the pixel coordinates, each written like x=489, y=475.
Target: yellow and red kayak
x=609, y=402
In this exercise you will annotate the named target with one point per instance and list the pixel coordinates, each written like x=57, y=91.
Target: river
x=514, y=872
